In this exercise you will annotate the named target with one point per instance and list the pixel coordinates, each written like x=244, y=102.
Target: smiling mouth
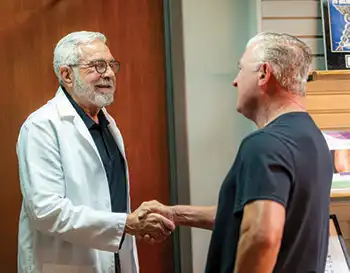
x=103, y=86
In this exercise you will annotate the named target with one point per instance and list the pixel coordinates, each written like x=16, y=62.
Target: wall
x=205, y=54
x=301, y=18
x=29, y=31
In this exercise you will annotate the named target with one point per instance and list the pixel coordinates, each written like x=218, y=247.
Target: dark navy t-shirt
x=289, y=162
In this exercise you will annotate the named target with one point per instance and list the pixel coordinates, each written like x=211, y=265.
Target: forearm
x=79, y=224
x=255, y=255
x=195, y=216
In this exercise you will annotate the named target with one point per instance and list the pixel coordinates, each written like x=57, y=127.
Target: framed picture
x=336, y=33
x=338, y=257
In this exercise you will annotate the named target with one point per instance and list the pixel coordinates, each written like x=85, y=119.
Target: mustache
x=105, y=82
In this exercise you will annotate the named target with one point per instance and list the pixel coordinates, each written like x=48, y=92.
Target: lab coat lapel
x=115, y=133
x=84, y=132
x=67, y=111
x=119, y=140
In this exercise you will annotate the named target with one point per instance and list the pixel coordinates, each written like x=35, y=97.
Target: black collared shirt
x=112, y=158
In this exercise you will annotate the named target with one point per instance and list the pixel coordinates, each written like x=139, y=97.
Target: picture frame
x=336, y=33
x=338, y=259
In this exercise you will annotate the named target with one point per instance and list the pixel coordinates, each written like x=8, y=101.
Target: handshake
x=152, y=222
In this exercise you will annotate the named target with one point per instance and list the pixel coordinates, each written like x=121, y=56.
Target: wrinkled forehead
x=96, y=50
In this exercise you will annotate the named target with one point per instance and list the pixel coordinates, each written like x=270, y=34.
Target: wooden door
x=29, y=30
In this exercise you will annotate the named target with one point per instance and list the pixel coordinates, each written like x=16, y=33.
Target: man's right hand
x=150, y=208
x=153, y=226
x=156, y=207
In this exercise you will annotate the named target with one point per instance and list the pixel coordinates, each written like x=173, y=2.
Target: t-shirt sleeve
x=267, y=170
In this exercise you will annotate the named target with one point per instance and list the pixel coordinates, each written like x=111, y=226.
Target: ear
x=66, y=74
x=265, y=74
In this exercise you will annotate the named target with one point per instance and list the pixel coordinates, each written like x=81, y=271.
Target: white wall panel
x=291, y=9
x=301, y=18
x=296, y=27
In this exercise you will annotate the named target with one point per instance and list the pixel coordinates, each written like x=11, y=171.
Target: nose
x=109, y=74
x=234, y=83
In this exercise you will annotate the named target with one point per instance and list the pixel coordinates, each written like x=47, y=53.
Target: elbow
x=213, y=216
x=211, y=224
x=44, y=218
x=267, y=239
x=208, y=225
x=44, y=223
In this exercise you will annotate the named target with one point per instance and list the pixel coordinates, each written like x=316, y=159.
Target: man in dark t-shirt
x=273, y=209
x=287, y=162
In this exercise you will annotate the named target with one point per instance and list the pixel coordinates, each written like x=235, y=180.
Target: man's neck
x=274, y=109
x=92, y=112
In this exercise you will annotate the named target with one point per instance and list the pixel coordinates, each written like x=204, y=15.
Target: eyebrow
x=99, y=59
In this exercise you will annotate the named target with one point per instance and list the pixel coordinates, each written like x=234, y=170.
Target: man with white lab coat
x=75, y=216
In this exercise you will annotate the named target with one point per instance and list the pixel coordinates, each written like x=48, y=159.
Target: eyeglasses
x=101, y=66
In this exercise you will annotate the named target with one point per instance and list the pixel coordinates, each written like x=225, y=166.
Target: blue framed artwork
x=336, y=33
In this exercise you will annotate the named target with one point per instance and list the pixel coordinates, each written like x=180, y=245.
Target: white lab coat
x=66, y=224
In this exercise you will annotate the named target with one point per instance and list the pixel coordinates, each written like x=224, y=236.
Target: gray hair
x=289, y=58
x=67, y=49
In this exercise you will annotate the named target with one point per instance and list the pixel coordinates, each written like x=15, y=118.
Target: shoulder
x=263, y=152
x=263, y=142
x=263, y=147
x=44, y=117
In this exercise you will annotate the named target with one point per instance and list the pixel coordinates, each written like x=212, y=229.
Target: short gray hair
x=289, y=58
x=67, y=49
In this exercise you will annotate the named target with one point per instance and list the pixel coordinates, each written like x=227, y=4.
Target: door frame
x=177, y=133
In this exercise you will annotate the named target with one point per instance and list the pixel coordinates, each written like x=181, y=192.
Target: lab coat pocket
x=54, y=268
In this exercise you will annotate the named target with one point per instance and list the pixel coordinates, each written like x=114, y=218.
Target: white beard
x=88, y=93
